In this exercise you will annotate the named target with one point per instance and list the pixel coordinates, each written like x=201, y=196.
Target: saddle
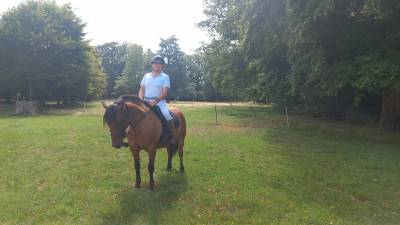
x=157, y=111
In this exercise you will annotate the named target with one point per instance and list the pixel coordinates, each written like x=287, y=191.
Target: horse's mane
x=110, y=113
x=134, y=99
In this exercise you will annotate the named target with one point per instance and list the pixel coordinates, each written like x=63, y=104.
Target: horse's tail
x=182, y=131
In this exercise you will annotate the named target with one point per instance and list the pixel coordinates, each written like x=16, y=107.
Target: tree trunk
x=390, y=115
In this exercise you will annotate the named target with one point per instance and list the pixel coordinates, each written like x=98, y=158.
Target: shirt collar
x=157, y=75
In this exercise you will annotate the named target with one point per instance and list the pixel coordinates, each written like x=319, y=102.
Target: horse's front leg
x=152, y=157
x=136, y=159
x=169, y=164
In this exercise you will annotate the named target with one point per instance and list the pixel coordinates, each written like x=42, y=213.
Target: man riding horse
x=143, y=119
x=154, y=89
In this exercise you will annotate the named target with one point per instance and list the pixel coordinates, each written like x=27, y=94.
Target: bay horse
x=133, y=118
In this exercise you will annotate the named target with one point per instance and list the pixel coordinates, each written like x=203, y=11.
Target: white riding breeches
x=164, y=109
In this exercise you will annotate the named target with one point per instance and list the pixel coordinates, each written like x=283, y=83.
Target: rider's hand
x=153, y=103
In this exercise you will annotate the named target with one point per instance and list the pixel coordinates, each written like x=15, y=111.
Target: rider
x=154, y=89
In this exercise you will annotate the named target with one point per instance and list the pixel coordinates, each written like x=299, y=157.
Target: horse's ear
x=104, y=105
x=127, y=106
x=124, y=106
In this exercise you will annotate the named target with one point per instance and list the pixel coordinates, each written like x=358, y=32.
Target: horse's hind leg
x=169, y=165
x=180, y=152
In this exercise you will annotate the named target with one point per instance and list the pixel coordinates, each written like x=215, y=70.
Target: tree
x=200, y=86
x=148, y=55
x=175, y=67
x=129, y=82
x=113, y=59
x=97, y=78
x=42, y=53
x=323, y=57
x=351, y=51
x=226, y=63
x=196, y=74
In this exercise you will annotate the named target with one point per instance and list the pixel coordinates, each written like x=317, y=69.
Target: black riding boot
x=171, y=135
x=168, y=126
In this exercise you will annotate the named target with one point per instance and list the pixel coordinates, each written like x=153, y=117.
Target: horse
x=134, y=118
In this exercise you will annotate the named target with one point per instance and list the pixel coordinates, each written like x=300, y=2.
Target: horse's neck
x=137, y=113
x=143, y=125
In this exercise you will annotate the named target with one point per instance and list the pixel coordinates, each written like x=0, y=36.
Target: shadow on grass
x=146, y=206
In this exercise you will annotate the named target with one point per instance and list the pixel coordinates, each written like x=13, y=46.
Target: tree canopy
x=129, y=81
x=336, y=58
x=175, y=67
x=323, y=57
x=113, y=59
x=43, y=55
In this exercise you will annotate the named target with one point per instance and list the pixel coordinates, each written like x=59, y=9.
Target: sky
x=137, y=21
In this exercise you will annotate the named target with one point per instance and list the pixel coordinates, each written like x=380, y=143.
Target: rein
x=137, y=122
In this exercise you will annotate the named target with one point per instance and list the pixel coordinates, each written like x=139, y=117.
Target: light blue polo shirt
x=153, y=85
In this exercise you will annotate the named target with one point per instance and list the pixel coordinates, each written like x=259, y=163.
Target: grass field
x=59, y=168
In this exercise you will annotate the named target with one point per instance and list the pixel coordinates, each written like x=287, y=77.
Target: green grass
x=59, y=168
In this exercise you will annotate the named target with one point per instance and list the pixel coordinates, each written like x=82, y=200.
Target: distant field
x=59, y=168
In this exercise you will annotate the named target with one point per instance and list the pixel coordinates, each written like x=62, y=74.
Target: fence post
x=216, y=114
x=287, y=118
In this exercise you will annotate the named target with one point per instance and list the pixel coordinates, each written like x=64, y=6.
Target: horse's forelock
x=110, y=114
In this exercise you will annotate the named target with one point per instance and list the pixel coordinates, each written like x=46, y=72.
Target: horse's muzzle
x=117, y=146
x=123, y=144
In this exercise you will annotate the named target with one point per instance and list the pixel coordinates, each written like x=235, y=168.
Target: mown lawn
x=59, y=168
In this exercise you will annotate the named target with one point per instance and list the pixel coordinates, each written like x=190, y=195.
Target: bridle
x=123, y=133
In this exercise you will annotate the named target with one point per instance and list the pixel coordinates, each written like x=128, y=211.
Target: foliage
x=174, y=67
x=97, y=78
x=129, y=81
x=43, y=56
x=199, y=83
x=113, y=59
x=315, y=55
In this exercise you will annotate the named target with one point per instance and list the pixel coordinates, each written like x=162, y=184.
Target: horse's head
x=116, y=117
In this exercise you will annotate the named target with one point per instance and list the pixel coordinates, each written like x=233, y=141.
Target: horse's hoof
x=124, y=144
x=151, y=185
x=137, y=185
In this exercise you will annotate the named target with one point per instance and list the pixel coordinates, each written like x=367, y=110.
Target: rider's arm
x=164, y=92
x=141, y=92
x=163, y=95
